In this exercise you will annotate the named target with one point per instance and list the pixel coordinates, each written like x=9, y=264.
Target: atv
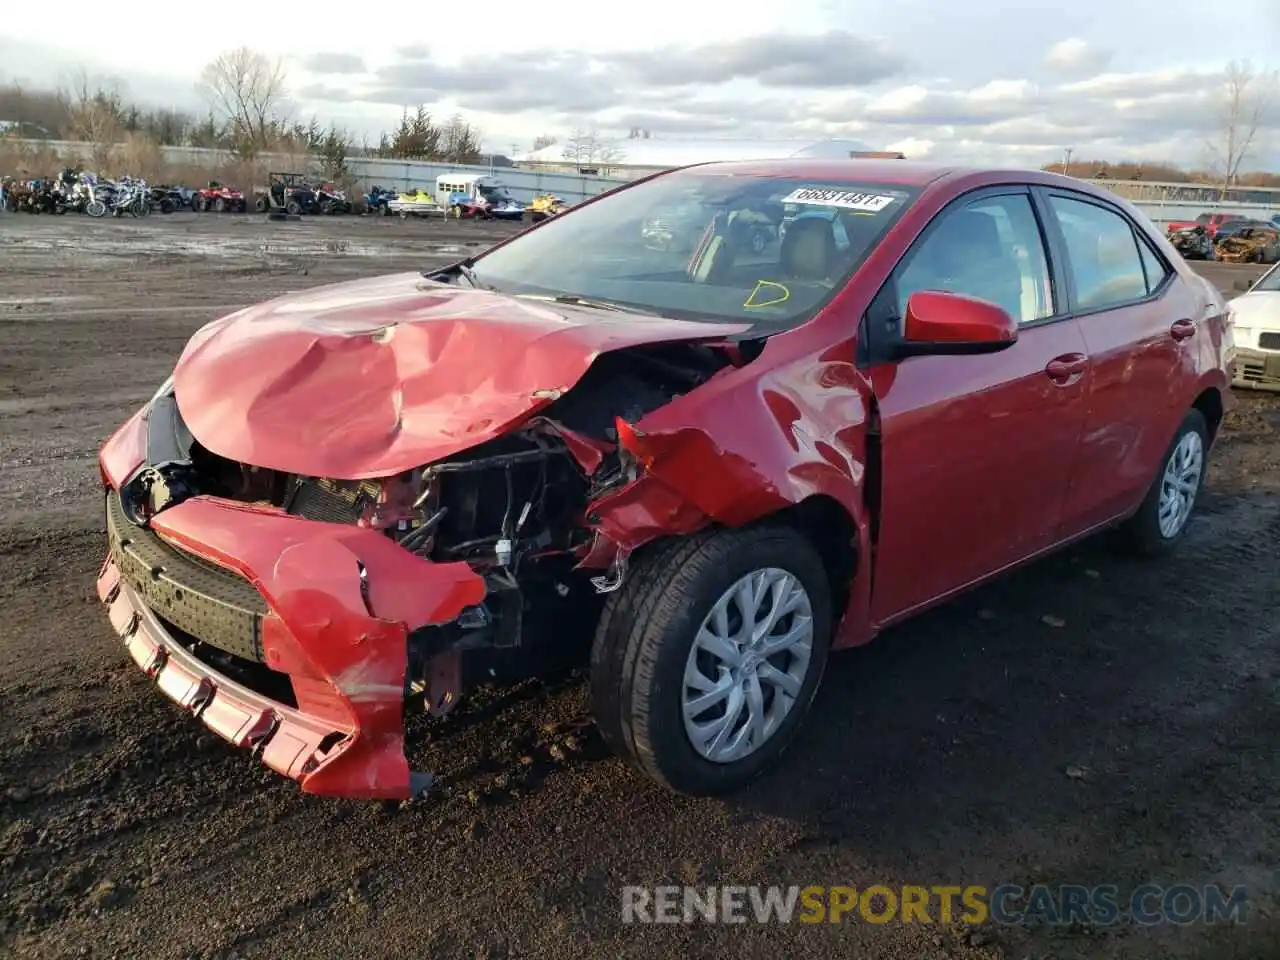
x=332, y=200
x=376, y=200
x=219, y=199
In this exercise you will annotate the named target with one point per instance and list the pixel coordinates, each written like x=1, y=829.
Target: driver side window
x=991, y=249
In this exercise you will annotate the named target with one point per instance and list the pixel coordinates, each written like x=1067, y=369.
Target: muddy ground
x=1090, y=720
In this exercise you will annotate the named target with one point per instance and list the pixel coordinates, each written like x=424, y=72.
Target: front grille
x=1252, y=371
x=1269, y=341
x=211, y=604
x=333, y=501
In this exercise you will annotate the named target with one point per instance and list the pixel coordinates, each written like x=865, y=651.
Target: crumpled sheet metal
x=342, y=644
x=743, y=446
x=376, y=377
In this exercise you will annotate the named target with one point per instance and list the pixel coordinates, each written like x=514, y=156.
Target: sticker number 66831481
x=849, y=200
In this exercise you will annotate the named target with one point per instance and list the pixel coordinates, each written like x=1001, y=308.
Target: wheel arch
x=827, y=524
x=1210, y=404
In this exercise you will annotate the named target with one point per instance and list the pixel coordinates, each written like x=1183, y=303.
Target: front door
x=976, y=451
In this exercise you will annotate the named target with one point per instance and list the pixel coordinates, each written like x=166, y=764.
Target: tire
x=642, y=651
x=219, y=205
x=758, y=241
x=1143, y=533
x=95, y=209
x=293, y=207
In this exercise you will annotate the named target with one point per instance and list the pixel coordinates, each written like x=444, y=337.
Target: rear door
x=1141, y=330
x=976, y=451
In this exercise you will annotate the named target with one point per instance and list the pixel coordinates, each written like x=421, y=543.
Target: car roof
x=904, y=173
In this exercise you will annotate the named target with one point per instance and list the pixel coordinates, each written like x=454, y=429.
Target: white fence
x=523, y=184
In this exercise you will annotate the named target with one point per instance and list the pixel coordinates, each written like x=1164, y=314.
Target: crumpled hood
x=375, y=377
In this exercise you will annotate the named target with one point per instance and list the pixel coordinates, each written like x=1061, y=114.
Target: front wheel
x=706, y=660
x=1161, y=521
x=95, y=208
x=293, y=207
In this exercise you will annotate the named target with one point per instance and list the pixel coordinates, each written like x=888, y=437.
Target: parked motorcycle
x=133, y=198
x=89, y=195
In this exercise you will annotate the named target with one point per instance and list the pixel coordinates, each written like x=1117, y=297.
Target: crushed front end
x=302, y=617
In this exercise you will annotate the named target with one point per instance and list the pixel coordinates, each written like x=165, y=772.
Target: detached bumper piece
x=281, y=634
x=289, y=742
x=1259, y=369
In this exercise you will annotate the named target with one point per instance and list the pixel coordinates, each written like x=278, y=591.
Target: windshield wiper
x=463, y=269
x=470, y=274
x=576, y=301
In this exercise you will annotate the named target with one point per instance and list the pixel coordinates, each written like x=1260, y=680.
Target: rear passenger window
x=1106, y=263
x=1153, y=266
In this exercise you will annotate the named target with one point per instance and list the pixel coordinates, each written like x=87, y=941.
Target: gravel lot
x=1089, y=720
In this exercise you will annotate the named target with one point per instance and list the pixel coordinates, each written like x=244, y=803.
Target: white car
x=1255, y=317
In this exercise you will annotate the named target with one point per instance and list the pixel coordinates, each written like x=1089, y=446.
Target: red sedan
x=707, y=463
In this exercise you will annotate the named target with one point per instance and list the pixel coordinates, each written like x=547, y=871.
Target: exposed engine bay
x=513, y=508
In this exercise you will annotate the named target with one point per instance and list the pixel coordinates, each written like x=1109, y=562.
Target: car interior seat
x=809, y=250
x=967, y=257
x=1120, y=276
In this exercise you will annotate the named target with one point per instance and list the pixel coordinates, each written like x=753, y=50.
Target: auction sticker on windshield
x=849, y=200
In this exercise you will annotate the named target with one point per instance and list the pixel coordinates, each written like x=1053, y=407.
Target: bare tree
x=459, y=141
x=1246, y=98
x=543, y=140
x=588, y=147
x=247, y=90
x=95, y=117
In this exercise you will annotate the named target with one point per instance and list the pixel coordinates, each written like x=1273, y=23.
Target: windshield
x=494, y=193
x=1270, y=282
x=700, y=245
x=1204, y=218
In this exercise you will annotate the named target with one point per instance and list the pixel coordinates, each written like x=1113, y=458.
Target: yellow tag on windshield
x=775, y=292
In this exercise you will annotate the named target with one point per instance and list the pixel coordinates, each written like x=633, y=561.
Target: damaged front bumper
x=1258, y=369
x=283, y=635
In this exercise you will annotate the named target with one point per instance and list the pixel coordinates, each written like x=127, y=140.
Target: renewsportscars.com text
x=1145, y=905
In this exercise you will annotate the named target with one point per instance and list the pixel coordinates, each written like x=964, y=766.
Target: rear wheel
x=706, y=661
x=1162, y=519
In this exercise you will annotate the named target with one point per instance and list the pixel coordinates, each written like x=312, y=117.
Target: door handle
x=1064, y=369
x=1182, y=329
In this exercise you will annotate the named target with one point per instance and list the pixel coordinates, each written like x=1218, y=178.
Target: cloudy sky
x=980, y=81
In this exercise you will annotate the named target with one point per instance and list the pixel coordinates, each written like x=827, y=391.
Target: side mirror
x=1242, y=284
x=949, y=323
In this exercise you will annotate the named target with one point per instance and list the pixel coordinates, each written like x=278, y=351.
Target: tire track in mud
x=935, y=755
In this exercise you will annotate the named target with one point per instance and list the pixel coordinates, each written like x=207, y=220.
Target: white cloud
x=1077, y=57
x=1020, y=88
